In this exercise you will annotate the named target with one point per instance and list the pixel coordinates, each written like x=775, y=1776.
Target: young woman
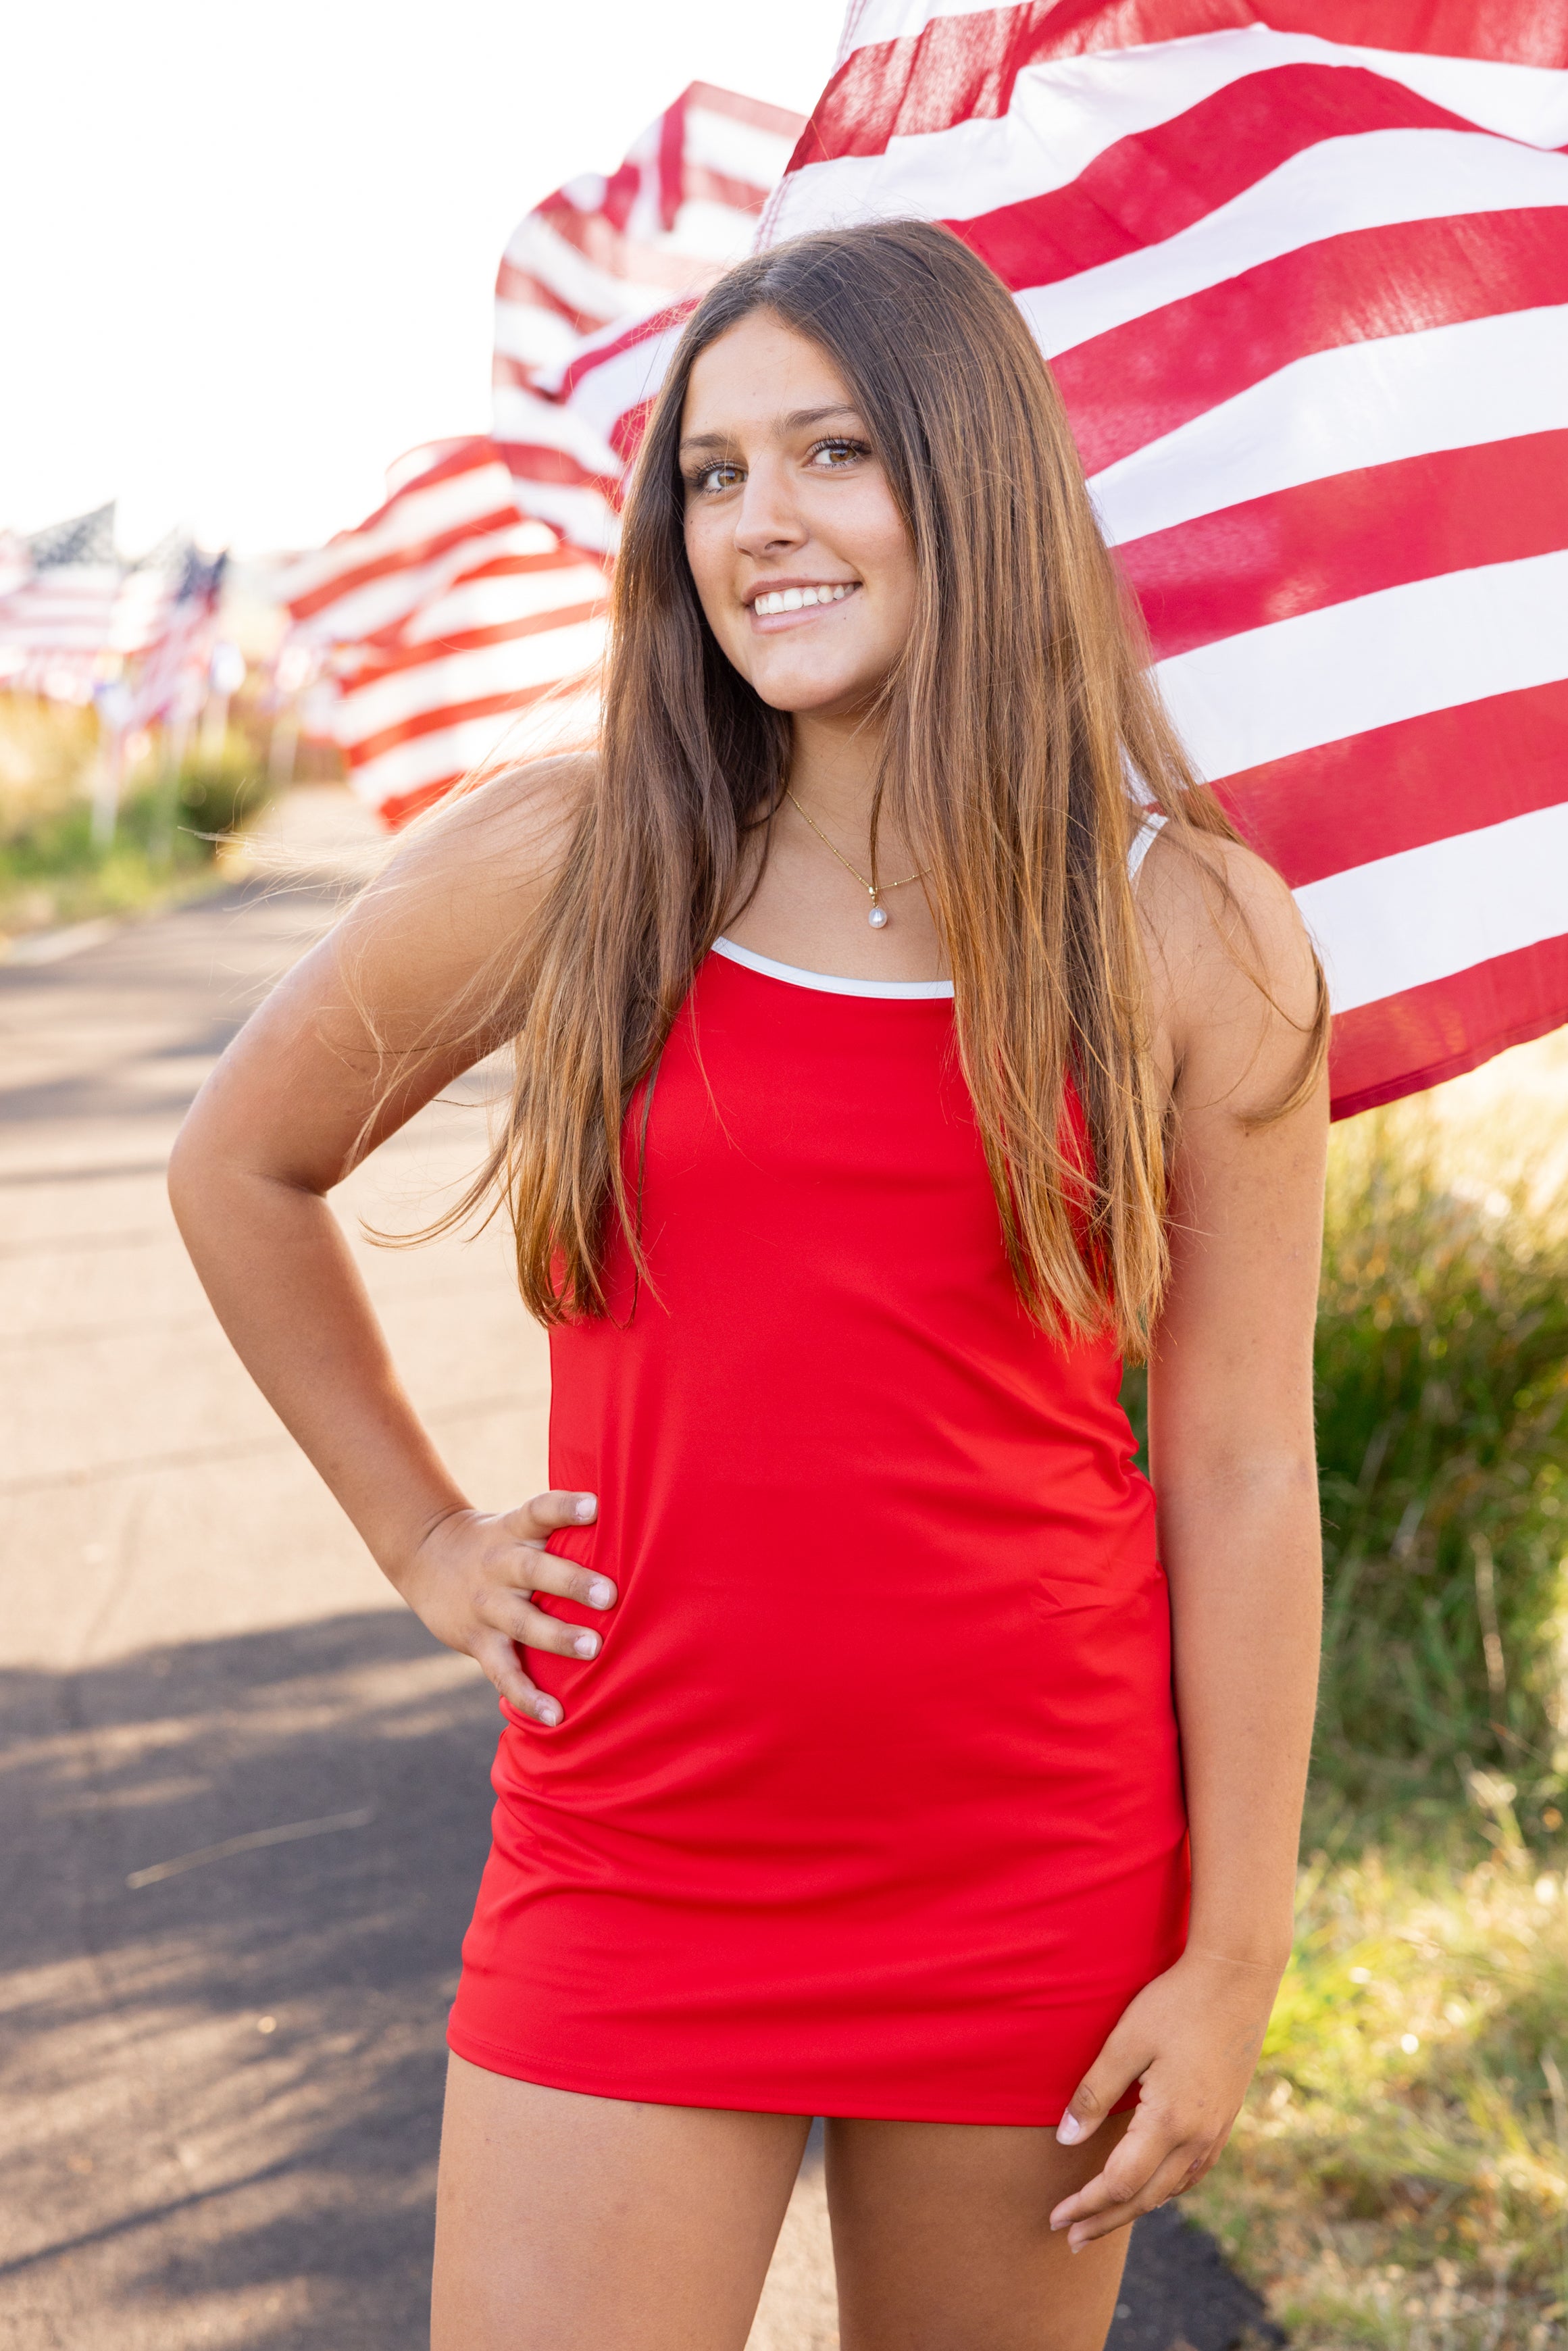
x=901, y=1039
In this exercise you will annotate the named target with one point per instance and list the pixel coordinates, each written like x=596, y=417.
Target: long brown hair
x=1018, y=729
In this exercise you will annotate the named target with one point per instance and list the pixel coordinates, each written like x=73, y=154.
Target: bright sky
x=250, y=252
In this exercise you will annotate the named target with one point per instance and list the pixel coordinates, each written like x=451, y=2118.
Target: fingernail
x=599, y=1593
x=585, y=1506
x=586, y=1644
x=548, y=1712
x=1069, y=2131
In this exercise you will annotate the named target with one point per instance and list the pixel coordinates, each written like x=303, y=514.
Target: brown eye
x=833, y=456
x=714, y=478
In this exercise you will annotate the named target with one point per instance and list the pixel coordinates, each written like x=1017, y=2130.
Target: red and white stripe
x=448, y=616
x=588, y=286
x=1302, y=272
x=57, y=630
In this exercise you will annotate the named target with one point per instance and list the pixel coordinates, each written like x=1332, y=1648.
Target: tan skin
x=567, y=2222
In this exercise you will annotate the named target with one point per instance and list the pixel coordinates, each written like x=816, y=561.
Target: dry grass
x=1399, y=2177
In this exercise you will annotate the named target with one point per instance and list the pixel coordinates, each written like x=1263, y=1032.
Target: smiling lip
x=794, y=599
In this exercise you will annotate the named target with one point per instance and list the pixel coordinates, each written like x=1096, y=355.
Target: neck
x=832, y=768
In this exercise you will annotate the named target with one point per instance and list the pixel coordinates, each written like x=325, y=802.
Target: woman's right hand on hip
x=471, y=1582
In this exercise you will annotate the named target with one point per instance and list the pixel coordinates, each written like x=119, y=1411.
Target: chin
x=802, y=694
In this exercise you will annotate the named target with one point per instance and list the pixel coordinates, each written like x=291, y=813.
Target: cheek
x=888, y=556
x=705, y=561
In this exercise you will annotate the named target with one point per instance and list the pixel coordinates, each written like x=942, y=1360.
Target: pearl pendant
x=877, y=918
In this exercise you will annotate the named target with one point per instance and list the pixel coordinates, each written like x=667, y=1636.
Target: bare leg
x=566, y=2223
x=942, y=2242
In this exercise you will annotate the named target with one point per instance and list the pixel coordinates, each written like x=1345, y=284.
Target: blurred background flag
x=444, y=616
x=592, y=287
x=1301, y=270
x=182, y=624
x=73, y=616
x=60, y=594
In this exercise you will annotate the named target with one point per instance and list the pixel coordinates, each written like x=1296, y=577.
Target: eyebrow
x=798, y=420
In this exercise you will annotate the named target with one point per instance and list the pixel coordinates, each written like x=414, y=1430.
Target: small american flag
x=180, y=621
x=59, y=608
x=74, y=615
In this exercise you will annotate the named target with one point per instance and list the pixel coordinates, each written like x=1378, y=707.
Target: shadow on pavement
x=228, y=2081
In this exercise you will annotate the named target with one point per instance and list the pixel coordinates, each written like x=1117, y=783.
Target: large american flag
x=1300, y=268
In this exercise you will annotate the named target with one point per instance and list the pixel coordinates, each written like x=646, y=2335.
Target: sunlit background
x=251, y=261
x=251, y=252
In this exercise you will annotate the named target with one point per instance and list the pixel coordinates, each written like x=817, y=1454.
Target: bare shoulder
x=463, y=882
x=1234, y=979
x=505, y=837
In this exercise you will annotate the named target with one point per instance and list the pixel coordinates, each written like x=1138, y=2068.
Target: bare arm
x=1233, y=1465
x=282, y=1119
x=1231, y=1443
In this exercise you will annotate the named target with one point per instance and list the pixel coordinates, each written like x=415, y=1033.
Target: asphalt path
x=222, y=2078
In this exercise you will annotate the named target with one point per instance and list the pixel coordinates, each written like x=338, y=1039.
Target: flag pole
x=113, y=705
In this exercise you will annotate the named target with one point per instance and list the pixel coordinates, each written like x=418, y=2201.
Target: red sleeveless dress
x=870, y=1803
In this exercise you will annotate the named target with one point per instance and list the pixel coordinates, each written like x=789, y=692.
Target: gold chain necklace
x=878, y=916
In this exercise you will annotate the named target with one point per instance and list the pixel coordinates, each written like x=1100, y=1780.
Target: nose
x=767, y=524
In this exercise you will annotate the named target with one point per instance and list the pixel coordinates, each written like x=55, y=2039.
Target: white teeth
x=794, y=599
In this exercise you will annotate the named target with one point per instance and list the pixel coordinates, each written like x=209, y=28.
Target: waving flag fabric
x=1300, y=270
x=585, y=290
x=446, y=615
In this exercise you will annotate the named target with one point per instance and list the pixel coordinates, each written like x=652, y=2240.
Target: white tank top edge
x=1143, y=841
x=829, y=983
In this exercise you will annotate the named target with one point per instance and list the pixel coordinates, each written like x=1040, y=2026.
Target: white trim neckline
x=828, y=983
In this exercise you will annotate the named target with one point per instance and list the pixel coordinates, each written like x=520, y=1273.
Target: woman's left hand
x=1190, y=2040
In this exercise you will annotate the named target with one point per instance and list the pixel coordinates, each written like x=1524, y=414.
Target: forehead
x=755, y=375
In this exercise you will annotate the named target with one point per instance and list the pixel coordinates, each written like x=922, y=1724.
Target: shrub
x=1442, y=1405
x=168, y=826
x=1442, y=1391
x=217, y=795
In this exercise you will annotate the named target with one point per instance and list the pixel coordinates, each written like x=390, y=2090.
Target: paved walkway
x=223, y=2084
